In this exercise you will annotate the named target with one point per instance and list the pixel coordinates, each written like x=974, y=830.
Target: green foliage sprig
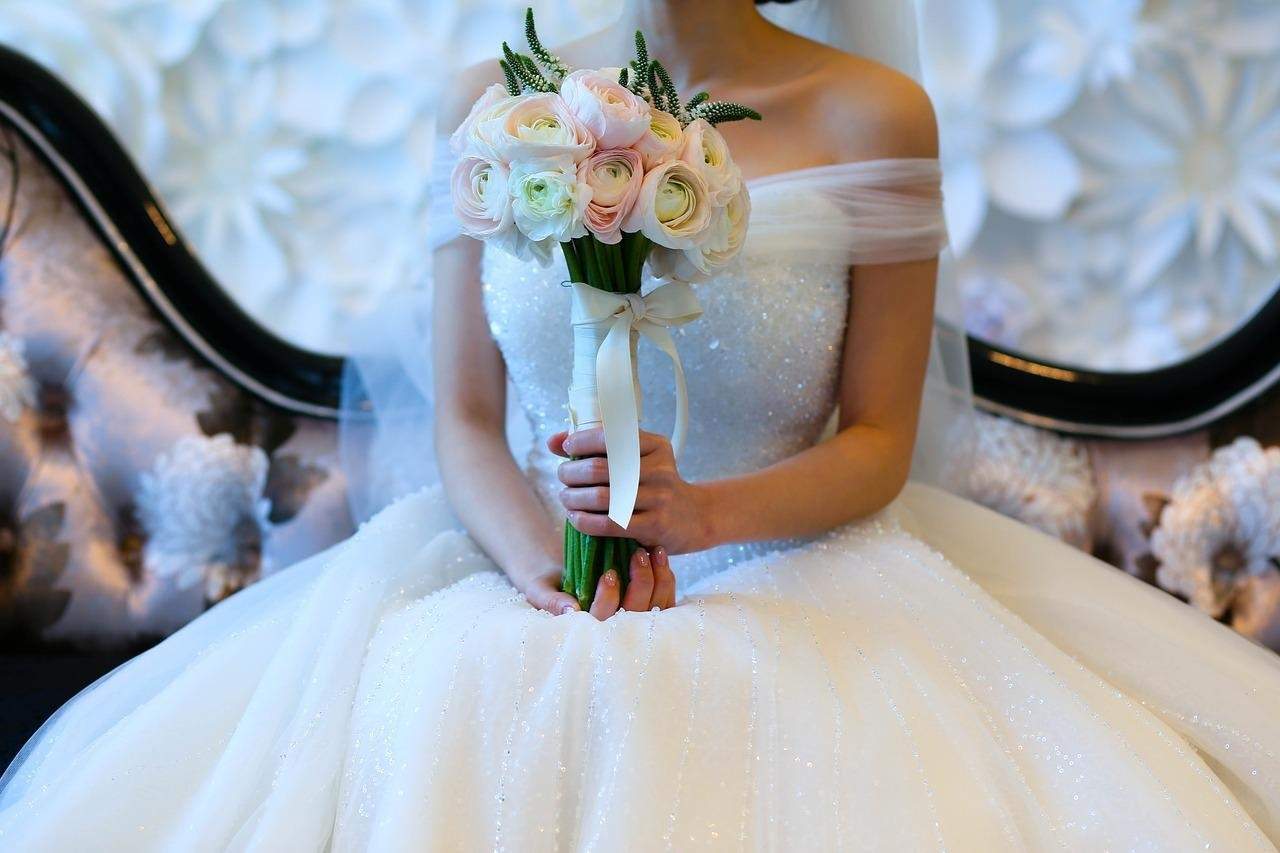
x=543, y=71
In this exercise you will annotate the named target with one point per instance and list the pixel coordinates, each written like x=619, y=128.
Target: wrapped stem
x=617, y=269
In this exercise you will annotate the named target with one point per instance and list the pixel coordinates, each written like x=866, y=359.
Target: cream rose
x=674, y=207
x=720, y=245
x=468, y=139
x=707, y=152
x=615, y=177
x=537, y=127
x=615, y=115
x=547, y=200
x=663, y=141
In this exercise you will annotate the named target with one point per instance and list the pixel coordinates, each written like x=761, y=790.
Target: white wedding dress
x=936, y=676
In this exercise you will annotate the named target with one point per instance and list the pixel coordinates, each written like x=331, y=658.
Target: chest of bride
x=763, y=357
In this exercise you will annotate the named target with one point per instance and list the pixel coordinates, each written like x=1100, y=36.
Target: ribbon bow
x=616, y=391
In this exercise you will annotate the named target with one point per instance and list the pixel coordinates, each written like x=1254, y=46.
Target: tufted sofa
x=137, y=485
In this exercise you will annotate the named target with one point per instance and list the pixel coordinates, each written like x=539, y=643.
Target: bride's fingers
x=590, y=442
x=592, y=471
x=590, y=498
x=597, y=523
x=606, y=600
x=546, y=597
x=639, y=595
x=664, y=580
x=556, y=443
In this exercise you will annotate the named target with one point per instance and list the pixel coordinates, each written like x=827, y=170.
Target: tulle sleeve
x=880, y=212
x=386, y=431
x=443, y=224
x=871, y=212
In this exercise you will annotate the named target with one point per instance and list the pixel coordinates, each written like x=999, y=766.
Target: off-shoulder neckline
x=836, y=168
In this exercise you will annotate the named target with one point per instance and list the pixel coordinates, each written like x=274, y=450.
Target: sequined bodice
x=762, y=363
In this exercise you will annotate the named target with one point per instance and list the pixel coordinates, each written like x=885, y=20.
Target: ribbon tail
x=617, y=396
x=661, y=337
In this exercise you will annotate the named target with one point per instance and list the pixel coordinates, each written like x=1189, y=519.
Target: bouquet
x=617, y=170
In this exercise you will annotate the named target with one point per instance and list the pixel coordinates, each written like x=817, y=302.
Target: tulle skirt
x=861, y=691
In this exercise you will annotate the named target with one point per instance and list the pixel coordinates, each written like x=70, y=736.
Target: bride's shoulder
x=890, y=113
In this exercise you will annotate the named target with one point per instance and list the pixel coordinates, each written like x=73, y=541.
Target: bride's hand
x=652, y=585
x=669, y=511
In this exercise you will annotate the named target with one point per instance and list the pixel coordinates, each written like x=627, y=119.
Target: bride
x=809, y=656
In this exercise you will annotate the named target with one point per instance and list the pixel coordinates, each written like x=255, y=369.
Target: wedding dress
x=935, y=676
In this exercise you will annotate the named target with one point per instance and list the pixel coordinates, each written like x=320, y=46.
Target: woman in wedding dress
x=809, y=656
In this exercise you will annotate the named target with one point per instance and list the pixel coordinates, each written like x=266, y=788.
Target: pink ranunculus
x=493, y=103
x=615, y=177
x=480, y=197
x=662, y=142
x=674, y=208
x=707, y=152
x=615, y=116
x=537, y=127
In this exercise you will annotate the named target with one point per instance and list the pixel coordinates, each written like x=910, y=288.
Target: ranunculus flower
x=707, y=152
x=663, y=141
x=538, y=127
x=720, y=245
x=480, y=198
x=468, y=139
x=674, y=207
x=615, y=177
x=547, y=200
x=615, y=115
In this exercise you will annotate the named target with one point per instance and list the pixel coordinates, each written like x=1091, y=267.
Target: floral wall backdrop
x=1112, y=166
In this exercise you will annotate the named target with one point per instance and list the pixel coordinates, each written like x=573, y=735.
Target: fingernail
x=611, y=577
x=660, y=552
x=644, y=557
x=568, y=608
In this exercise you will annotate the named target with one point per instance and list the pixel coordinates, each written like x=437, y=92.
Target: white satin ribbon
x=605, y=390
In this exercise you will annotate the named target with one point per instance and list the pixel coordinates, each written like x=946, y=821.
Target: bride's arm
x=485, y=487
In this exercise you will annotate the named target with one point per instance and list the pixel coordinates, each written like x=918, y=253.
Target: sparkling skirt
x=861, y=691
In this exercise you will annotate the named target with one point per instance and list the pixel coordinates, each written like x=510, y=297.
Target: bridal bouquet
x=615, y=168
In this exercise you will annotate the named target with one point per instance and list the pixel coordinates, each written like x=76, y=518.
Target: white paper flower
x=1083, y=42
x=1232, y=27
x=196, y=504
x=223, y=175
x=992, y=150
x=1188, y=157
x=996, y=309
x=1033, y=475
x=17, y=388
x=166, y=29
x=1221, y=526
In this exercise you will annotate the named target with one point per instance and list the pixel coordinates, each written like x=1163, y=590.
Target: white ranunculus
x=674, y=208
x=548, y=201
x=537, y=127
x=707, y=152
x=614, y=115
x=720, y=245
x=664, y=140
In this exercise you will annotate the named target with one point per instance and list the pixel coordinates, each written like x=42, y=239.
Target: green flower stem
x=614, y=268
